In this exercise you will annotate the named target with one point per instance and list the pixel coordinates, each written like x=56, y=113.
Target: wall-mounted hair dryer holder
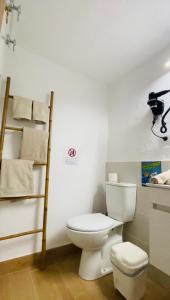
x=157, y=108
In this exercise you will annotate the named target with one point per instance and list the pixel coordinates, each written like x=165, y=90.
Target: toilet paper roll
x=113, y=177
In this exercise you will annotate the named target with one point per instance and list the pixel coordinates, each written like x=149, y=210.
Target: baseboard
x=34, y=260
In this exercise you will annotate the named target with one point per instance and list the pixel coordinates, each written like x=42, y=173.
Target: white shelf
x=159, y=186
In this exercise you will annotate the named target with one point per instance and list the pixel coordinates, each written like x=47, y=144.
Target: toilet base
x=91, y=265
x=96, y=264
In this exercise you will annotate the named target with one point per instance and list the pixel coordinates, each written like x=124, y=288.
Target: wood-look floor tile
x=67, y=269
x=21, y=286
x=101, y=289
x=156, y=292
x=49, y=285
x=60, y=281
x=5, y=289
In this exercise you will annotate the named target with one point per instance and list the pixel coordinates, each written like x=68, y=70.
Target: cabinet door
x=2, y=8
x=160, y=238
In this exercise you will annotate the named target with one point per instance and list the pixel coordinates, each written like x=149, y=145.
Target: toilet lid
x=92, y=222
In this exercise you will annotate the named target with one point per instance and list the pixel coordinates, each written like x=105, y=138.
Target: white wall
x=130, y=119
x=79, y=120
x=2, y=48
x=130, y=141
x=4, y=29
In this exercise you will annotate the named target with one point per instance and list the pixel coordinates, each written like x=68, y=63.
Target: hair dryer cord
x=164, y=138
x=163, y=128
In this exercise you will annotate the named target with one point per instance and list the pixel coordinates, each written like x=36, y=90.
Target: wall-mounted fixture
x=157, y=107
x=9, y=41
x=11, y=6
x=167, y=64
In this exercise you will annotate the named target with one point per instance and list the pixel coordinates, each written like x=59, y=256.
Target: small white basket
x=129, y=270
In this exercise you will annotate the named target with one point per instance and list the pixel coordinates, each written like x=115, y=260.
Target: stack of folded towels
x=16, y=174
x=162, y=178
x=16, y=178
x=27, y=109
x=34, y=145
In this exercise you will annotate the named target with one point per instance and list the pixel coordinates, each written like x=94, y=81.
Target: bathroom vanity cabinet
x=159, y=237
x=2, y=9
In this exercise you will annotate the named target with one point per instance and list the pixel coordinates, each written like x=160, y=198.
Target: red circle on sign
x=72, y=152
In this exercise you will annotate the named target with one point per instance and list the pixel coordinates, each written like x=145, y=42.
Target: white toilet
x=96, y=233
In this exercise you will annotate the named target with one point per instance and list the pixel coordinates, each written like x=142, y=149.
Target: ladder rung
x=22, y=197
x=13, y=128
x=36, y=164
x=12, y=236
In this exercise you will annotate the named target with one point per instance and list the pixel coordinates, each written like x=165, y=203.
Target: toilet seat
x=92, y=223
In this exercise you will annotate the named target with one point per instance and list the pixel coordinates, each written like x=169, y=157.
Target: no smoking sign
x=72, y=152
x=71, y=156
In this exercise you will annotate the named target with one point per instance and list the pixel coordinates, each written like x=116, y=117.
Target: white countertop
x=160, y=186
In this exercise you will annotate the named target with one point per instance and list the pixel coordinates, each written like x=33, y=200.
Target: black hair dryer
x=157, y=108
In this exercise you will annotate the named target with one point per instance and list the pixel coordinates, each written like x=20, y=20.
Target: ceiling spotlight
x=167, y=64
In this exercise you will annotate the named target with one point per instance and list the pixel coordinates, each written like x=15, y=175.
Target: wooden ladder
x=44, y=196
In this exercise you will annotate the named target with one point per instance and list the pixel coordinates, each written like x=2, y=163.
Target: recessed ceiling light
x=167, y=64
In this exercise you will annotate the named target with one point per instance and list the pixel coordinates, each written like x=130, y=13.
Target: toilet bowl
x=96, y=233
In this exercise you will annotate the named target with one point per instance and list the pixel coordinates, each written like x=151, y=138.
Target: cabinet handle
x=161, y=207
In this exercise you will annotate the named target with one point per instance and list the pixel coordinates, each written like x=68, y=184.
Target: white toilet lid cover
x=92, y=222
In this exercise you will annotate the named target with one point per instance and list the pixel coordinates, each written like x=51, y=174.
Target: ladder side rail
x=4, y=116
x=47, y=182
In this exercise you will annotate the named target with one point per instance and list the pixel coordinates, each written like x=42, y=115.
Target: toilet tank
x=121, y=200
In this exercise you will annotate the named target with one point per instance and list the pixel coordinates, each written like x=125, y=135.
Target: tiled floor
x=61, y=282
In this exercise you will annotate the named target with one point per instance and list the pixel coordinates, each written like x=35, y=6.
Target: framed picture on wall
x=149, y=169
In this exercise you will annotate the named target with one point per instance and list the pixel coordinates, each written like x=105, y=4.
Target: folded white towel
x=40, y=112
x=167, y=181
x=161, y=178
x=34, y=145
x=21, y=108
x=16, y=177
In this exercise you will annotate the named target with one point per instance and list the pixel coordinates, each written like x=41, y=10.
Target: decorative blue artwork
x=149, y=169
